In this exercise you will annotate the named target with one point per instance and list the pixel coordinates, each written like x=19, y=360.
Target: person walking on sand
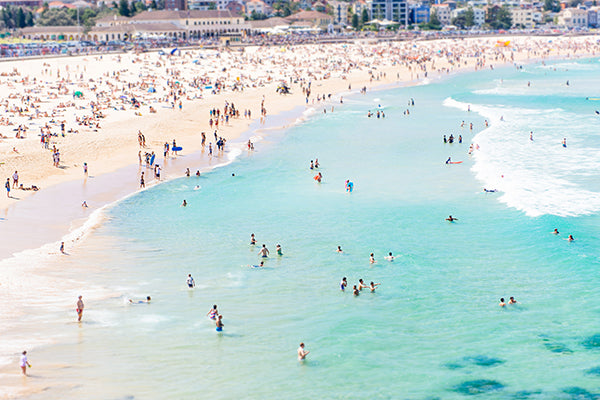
x=24, y=363
x=302, y=353
x=7, y=186
x=142, y=182
x=80, y=307
x=15, y=180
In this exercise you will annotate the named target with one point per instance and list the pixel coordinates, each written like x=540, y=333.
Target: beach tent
x=78, y=94
x=151, y=90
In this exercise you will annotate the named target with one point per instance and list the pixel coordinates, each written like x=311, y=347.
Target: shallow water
x=433, y=329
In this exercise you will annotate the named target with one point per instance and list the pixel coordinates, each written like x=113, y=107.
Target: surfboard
x=177, y=148
x=455, y=162
x=152, y=159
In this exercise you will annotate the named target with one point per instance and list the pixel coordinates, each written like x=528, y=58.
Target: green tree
x=124, y=8
x=20, y=20
x=255, y=16
x=469, y=17
x=364, y=18
x=57, y=17
x=434, y=22
x=503, y=18
x=153, y=4
x=459, y=21
x=551, y=5
x=29, y=19
x=355, y=21
x=139, y=6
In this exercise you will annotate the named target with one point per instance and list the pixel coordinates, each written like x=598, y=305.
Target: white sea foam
x=539, y=177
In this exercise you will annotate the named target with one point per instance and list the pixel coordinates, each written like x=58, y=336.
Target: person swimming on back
x=451, y=218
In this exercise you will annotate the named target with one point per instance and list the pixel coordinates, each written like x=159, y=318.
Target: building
x=312, y=19
x=391, y=10
x=419, y=14
x=593, y=18
x=573, y=18
x=522, y=18
x=340, y=12
x=21, y=3
x=478, y=15
x=175, y=5
x=443, y=13
x=258, y=7
x=235, y=7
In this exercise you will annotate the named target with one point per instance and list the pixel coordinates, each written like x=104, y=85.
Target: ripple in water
x=592, y=342
x=478, y=386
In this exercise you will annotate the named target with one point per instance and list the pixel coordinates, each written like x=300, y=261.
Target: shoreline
x=126, y=171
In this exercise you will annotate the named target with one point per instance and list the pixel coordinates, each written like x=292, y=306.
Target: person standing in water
x=252, y=239
x=343, y=284
x=24, y=363
x=264, y=252
x=80, y=307
x=302, y=353
x=213, y=312
x=219, y=323
x=190, y=281
x=278, y=250
x=564, y=142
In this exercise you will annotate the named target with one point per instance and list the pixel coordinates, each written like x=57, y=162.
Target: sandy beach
x=84, y=107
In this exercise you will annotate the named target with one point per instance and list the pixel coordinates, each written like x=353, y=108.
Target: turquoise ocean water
x=433, y=329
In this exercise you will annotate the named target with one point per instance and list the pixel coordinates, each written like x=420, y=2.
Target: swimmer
x=219, y=323
x=262, y=264
x=316, y=163
x=213, y=312
x=389, y=257
x=184, y=204
x=570, y=238
x=190, y=281
x=512, y=300
x=564, y=142
x=302, y=353
x=451, y=218
x=343, y=284
x=372, y=259
x=361, y=285
x=349, y=186
x=197, y=172
x=197, y=187
x=264, y=252
x=372, y=286
x=252, y=239
x=489, y=190
x=531, y=136
x=355, y=291
x=84, y=204
x=312, y=164
x=148, y=298
x=555, y=231
x=502, y=303
x=318, y=177
x=339, y=249
x=278, y=250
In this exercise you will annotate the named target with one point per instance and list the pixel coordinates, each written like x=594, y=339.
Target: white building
x=478, y=15
x=573, y=17
x=522, y=17
x=340, y=12
x=443, y=12
x=257, y=6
